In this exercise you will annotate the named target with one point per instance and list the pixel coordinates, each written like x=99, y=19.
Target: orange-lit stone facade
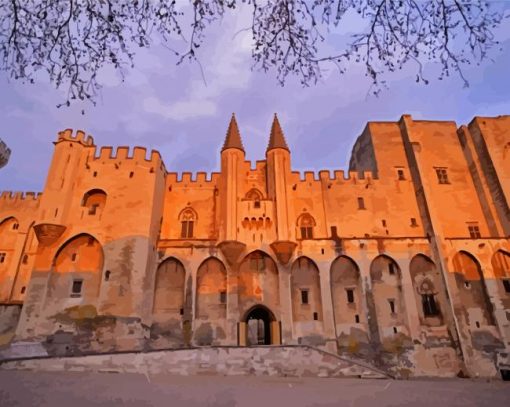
x=403, y=261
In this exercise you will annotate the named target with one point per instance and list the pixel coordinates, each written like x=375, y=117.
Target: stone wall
x=286, y=361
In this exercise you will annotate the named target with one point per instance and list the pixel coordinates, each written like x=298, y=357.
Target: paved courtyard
x=76, y=389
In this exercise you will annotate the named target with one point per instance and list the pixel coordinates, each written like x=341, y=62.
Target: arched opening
x=346, y=293
x=95, y=201
x=76, y=271
x=386, y=302
x=428, y=290
x=501, y=266
x=211, y=302
x=472, y=290
x=169, y=290
x=8, y=237
x=306, y=297
x=258, y=281
x=306, y=223
x=254, y=195
x=260, y=322
x=188, y=218
x=168, y=328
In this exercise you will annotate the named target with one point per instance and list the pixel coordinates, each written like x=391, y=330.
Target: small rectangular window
x=350, y=296
x=474, y=231
x=401, y=176
x=94, y=174
x=506, y=284
x=429, y=305
x=2, y=257
x=15, y=226
x=23, y=289
x=361, y=203
x=131, y=174
x=187, y=229
x=25, y=259
x=76, y=288
x=383, y=223
x=223, y=297
x=334, y=232
x=304, y=296
x=391, y=268
x=256, y=204
x=356, y=318
x=306, y=232
x=413, y=222
x=442, y=175
x=315, y=316
x=392, y=306
x=73, y=257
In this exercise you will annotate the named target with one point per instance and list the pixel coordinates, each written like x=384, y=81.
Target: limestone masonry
x=402, y=263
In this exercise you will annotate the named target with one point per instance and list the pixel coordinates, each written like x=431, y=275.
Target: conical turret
x=233, y=139
x=276, y=139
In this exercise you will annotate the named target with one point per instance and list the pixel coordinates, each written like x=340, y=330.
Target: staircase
x=281, y=361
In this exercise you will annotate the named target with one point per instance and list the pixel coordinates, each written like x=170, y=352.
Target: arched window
x=187, y=218
x=94, y=200
x=306, y=224
x=254, y=195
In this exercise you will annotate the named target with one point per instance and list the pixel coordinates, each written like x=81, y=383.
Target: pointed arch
x=472, y=289
x=76, y=269
x=211, y=302
x=306, y=223
x=386, y=299
x=501, y=265
x=258, y=281
x=306, y=295
x=346, y=293
x=169, y=289
x=211, y=290
x=428, y=291
x=94, y=200
x=254, y=195
x=8, y=238
x=188, y=217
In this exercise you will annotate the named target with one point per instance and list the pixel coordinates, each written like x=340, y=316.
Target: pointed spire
x=277, y=139
x=233, y=139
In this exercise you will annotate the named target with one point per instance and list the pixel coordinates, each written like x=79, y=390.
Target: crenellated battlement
x=126, y=153
x=20, y=195
x=175, y=178
x=79, y=137
x=339, y=176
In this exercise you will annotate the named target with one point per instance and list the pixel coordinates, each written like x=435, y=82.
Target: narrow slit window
x=392, y=306
x=223, y=297
x=76, y=289
x=315, y=316
x=400, y=174
x=391, y=268
x=413, y=222
x=356, y=318
x=350, y=295
x=2, y=257
x=304, y=296
x=361, y=203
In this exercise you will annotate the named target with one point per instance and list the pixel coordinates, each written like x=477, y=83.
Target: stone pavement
x=77, y=389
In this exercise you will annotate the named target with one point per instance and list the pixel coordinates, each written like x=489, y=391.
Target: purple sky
x=169, y=108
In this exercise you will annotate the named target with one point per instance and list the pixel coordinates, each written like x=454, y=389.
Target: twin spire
x=233, y=139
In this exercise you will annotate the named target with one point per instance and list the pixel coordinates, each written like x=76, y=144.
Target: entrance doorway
x=259, y=327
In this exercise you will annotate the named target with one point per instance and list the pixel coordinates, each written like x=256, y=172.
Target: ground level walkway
x=77, y=389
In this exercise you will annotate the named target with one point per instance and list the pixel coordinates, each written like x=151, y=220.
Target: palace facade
x=403, y=261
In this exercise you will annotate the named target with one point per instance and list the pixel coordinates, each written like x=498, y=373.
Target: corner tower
x=232, y=159
x=278, y=178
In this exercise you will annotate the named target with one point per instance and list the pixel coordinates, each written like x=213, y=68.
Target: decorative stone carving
x=231, y=249
x=283, y=249
x=47, y=233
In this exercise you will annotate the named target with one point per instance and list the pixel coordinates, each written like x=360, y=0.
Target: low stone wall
x=9, y=317
x=286, y=361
